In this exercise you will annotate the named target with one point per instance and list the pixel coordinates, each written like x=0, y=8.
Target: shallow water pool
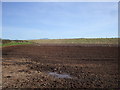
x=55, y=74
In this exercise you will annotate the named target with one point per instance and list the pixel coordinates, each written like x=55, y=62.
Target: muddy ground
x=60, y=66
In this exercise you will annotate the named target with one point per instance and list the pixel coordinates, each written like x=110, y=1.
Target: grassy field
x=16, y=43
x=78, y=41
x=61, y=41
x=13, y=42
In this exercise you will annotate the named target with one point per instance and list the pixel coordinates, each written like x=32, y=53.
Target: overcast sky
x=59, y=20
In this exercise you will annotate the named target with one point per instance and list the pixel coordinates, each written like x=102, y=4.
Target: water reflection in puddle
x=59, y=75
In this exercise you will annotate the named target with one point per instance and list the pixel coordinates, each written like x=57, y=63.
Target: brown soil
x=28, y=66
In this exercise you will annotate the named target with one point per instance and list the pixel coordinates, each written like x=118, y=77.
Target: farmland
x=107, y=41
x=68, y=63
x=14, y=42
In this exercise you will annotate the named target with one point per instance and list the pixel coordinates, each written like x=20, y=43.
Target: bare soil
x=89, y=66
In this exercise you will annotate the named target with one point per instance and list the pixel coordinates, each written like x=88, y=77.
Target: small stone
x=8, y=76
x=55, y=69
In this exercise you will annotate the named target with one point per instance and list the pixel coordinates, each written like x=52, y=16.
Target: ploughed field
x=60, y=66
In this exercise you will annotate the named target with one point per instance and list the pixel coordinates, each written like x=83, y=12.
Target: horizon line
x=61, y=38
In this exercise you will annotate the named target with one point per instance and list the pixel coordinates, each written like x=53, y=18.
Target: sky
x=59, y=20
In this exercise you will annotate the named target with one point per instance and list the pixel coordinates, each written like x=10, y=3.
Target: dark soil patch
x=91, y=66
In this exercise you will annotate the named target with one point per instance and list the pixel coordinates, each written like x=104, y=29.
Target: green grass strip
x=15, y=43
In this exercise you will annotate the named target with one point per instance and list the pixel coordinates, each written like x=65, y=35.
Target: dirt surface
x=60, y=66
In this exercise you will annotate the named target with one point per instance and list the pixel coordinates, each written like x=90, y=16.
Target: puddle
x=59, y=75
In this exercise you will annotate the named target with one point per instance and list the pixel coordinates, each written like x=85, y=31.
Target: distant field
x=110, y=41
x=77, y=41
x=14, y=42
